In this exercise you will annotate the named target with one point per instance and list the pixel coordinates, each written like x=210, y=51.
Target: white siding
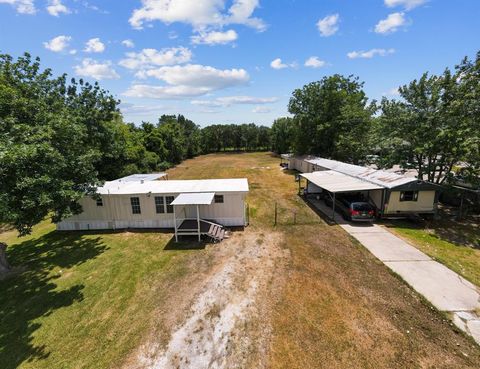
x=116, y=213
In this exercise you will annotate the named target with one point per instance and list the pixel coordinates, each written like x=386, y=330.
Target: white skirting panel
x=69, y=225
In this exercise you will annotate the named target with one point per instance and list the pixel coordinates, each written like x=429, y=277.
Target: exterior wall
x=376, y=197
x=301, y=165
x=424, y=204
x=116, y=213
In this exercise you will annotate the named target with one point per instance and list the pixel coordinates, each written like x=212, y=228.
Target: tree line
x=433, y=126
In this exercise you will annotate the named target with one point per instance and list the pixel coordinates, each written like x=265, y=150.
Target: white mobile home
x=143, y=201
x=391, y=193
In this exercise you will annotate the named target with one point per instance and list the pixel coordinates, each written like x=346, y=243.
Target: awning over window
x=195, y=198
x=336, y=182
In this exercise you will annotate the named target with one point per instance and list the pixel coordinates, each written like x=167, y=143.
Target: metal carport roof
x=336, y=182
x=204, y=198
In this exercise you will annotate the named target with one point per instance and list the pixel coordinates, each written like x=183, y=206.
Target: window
x=168, y=201
x=408, y=195
x=135, y=202
x=218, y=199
x=159, y=204
x=100, y=202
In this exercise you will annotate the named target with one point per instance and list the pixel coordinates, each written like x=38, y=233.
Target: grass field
x=88, y=300
x=455, y=244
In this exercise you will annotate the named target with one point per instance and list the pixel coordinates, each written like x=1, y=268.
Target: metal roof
x=338, y=182
x=175, y=186
x=379, y=177
x=141, y=177
x=203, y=198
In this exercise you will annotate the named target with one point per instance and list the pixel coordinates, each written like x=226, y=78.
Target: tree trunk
x=4, y=266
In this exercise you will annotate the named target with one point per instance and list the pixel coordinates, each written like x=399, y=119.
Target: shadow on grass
x=185, y=243
x=33, y=293
x=457, y=233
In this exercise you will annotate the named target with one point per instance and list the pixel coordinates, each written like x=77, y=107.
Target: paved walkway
x=445, y=289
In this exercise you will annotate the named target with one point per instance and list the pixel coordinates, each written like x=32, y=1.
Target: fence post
x=275, y=214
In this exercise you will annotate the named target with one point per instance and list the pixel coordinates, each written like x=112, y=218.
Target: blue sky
x=237, y=61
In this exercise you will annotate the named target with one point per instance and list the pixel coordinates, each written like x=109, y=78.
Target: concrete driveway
x=445, y=289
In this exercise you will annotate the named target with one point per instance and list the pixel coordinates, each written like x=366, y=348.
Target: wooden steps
x=216, y=232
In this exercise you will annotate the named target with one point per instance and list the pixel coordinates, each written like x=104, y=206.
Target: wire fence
x=283, y=216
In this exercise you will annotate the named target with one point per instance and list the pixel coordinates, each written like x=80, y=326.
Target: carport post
x=333, y=207
x=175, y=224
x=198, y=224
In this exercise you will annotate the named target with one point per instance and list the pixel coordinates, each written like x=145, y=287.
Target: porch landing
x=190, y=227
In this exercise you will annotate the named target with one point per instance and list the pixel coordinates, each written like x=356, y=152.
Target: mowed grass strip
x=452, y=243
x=89, y=300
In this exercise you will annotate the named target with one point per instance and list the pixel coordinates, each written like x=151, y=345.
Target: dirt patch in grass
x=227, y=324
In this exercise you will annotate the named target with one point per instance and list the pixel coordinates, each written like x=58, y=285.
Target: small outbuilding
x=190, y=207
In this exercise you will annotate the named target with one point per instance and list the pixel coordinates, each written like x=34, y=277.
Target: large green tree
x=55, y=139
x=434, y=126
x=330, y=117
x=282, y=135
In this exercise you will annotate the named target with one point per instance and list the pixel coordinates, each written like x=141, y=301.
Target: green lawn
x=83, y=300
x=457, y=245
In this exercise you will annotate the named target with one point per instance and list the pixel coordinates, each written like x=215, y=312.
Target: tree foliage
x=247, y=137
x=55, y=140
x=282, y=135
x=435, y=124
x=330, y=117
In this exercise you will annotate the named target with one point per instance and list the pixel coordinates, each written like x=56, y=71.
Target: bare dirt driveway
x=301, y=294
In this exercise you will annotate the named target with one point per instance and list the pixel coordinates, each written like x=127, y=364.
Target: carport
x=334, y=183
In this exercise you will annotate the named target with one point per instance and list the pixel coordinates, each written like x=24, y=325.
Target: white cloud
x=133, y=109
x=407, y=4
x=201, y=14
x=21, y=6
x=56, y=8
x=150, y=58
x=370, y=53
x=57, y=44
x=215, y=37
x=164, y=92
x=277, y=64
x=328, y=26
x=94, y=45
x=128, y=43
x=96, y=70
x=392, y=92
x=199, y=76
x=234, y=100
x=315, y=62
x=261, y=109
x=188, y=81
x=391, y=23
